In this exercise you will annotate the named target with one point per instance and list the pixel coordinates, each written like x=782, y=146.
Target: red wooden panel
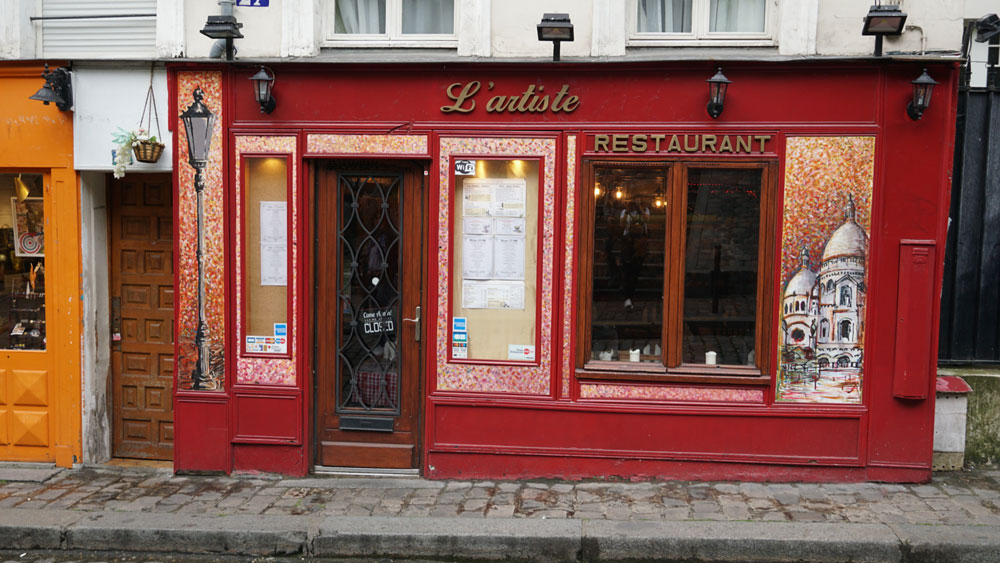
x=287, y=460
x=274, y=419
x=710, y=434
x=447, y=465
x=202, y=436
x=913, y=366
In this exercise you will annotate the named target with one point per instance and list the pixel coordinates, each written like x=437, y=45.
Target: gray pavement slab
x=951, y=544
x=449, y=538
x=237, y=534
x=28, y=474
x=738, y=541
x=35, y=529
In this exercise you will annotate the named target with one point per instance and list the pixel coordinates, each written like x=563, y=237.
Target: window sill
x=710, y=43
x=685, y=373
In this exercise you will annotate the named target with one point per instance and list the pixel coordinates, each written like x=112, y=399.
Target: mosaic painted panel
x=367, y=144
x=268, y=371
x=569, y=249
x=665, y=393
x=214, y=255
x=496, y=378
x=824, y=255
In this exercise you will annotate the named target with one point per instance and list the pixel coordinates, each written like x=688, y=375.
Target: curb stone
x=491, y=540
x=449, y=538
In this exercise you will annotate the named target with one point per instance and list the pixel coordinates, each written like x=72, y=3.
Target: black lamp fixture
x=923, y=87
x=717, y=86
x=987, y=27
x=263, y=82
x=555, y=28
x=199, y=125
x=58, y=88
x=223, y=27
x=882, y=21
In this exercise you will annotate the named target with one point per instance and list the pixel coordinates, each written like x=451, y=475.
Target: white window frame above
x=393, y=37
x=700, y=36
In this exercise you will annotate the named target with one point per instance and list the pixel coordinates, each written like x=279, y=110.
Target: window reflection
x=22, y=262
x=628, y=267
x=720, y=269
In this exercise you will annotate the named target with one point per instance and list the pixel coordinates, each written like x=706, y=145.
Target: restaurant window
x=674, y=268
x=22, y=262
x=671, y=21
x=390, y=23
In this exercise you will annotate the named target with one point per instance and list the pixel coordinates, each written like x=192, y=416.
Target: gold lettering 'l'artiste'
x=532, y=99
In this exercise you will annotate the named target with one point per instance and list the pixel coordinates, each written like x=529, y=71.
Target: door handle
x=116, y=321
x=416, y=321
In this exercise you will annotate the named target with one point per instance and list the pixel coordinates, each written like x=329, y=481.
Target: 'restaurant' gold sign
x=700, y=142
x=532, y=100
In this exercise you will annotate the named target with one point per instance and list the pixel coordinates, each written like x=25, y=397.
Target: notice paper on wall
x=508, y=258
x=477, y=257
x=492, y=294
x=273, y=243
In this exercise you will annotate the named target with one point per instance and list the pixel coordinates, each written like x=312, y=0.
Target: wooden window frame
x=672, y=368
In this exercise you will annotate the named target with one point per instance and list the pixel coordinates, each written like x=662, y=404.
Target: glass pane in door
x=368, y=292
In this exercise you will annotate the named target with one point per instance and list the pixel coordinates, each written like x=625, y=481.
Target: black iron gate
x=970, y=300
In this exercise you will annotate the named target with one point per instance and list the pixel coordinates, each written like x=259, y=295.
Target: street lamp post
x=198, y=126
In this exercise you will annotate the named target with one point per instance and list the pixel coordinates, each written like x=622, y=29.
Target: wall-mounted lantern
x=263, y=82
x=58, y=88
x=717, y=86
x=555, y=28
x=923, y=87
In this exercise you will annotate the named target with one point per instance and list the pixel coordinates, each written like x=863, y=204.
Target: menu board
x=493, y=243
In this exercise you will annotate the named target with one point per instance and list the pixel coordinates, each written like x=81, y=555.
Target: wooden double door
x=367, y=264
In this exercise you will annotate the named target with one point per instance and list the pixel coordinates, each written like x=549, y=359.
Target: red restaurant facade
x=560, y=270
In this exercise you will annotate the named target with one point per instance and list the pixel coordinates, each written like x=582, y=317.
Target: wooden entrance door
x=142, y=311
x=368, y=273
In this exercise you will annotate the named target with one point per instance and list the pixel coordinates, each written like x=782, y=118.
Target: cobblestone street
x=962, y=498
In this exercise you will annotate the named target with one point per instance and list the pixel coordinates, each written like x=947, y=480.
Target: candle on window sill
x=633, y=355
x=710, y=358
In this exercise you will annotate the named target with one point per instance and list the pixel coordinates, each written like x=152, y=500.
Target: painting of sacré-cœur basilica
x=822, y=320
x=825, y=244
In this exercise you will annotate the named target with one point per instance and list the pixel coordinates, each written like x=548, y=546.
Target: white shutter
x=100, y=38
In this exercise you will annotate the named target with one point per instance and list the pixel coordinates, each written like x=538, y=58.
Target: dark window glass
x=720, y=269
x=628, y=266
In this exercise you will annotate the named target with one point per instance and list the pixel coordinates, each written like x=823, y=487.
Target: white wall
x=108, y=97
x=17, y=38
x=95, y=340
x=514, y=22
x=840, y=22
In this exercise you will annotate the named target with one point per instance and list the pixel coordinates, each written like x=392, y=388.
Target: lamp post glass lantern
x=717, y=86
x=199, y=124
x=923, y=87
x=263, y=82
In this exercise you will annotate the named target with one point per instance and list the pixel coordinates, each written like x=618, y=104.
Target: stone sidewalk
x=154, y=510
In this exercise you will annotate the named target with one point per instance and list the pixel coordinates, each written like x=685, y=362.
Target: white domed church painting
x=824, y=255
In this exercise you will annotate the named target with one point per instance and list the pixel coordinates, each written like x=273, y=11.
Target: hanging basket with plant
x=139, y=142
x=145, y=147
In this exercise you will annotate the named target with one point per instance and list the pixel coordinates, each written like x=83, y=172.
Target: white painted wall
x=108, y=97
x=939, y=22
x=262, y=28
x=95, y=338
x=17, y=36
x=514, y=22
